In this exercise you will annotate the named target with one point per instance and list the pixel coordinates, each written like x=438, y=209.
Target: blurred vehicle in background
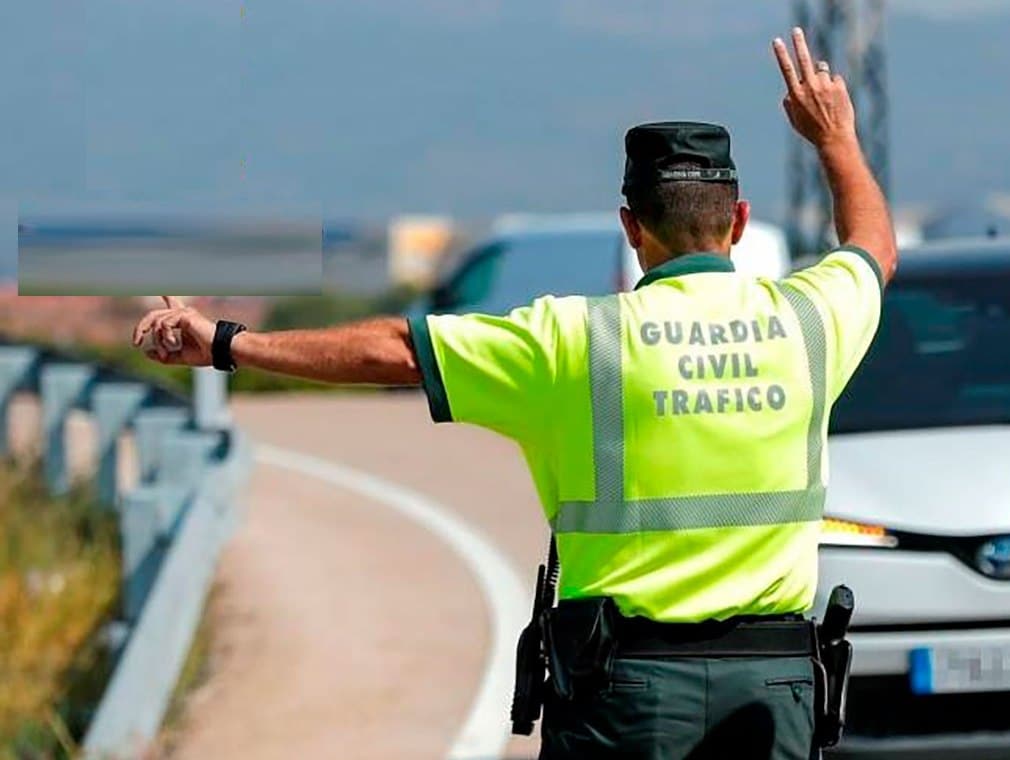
x=919, y=511
x=528, y=256
x=763, y=251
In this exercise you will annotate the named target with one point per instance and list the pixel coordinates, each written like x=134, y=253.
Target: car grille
x=882, y=706
x=964, y=548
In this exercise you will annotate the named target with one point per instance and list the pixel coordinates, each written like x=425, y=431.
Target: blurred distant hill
x=467, y=107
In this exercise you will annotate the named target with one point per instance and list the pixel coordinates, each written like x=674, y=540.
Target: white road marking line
x=486, y=730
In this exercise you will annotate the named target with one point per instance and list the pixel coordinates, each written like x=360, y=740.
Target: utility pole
x=849, y=34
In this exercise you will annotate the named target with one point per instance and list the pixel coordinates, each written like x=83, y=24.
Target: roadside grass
x=59, y=584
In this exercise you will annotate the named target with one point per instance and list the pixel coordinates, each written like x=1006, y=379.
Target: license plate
x=949, y=670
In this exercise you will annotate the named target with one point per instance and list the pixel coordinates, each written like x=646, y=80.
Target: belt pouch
x=580, y=644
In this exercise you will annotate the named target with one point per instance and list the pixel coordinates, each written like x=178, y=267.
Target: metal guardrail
x=191, y=465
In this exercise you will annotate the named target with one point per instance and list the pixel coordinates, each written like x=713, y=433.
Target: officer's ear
x=741, y=215
x=632, y=228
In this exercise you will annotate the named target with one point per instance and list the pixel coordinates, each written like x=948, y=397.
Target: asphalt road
x=341, y=628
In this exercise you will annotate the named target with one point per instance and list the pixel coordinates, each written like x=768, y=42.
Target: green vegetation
x=322, y=311
x=59, y=584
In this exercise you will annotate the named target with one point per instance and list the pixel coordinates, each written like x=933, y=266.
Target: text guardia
x=694, y=394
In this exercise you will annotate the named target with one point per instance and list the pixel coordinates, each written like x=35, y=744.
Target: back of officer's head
x=680, y=182
x=686, y=216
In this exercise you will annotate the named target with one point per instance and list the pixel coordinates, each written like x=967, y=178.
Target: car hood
x=950, y=481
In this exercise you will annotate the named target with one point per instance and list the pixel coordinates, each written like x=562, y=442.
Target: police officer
x=676, y=436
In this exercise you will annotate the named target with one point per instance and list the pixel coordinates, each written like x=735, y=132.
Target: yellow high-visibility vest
x=676, y=434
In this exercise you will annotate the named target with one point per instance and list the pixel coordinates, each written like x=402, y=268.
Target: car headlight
x=836, y=532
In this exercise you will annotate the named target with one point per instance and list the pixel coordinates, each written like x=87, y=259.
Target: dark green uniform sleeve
x=492, y=371
x=431, y=377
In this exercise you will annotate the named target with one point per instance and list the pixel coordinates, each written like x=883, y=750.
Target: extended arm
x=376, y=351
x=820, y=109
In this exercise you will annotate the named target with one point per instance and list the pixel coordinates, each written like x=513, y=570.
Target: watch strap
x=220, y=349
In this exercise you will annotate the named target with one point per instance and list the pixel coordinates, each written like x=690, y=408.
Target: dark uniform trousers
x=688, y=708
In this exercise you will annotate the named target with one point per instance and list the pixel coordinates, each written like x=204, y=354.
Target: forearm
x=376, y=351
x=862, y=217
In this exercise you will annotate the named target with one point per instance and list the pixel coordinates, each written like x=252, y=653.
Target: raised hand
x=817, y=103
x=178, y=334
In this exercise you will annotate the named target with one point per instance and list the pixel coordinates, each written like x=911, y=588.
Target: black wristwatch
x=220, y=348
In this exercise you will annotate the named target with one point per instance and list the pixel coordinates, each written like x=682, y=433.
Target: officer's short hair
x=683, y=212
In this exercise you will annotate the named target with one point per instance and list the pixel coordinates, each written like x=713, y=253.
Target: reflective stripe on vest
x=610, y=512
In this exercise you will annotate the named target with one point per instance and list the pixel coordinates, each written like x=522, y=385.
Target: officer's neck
x=650, y=259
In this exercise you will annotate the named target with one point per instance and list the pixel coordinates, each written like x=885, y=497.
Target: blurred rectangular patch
x=142, y=253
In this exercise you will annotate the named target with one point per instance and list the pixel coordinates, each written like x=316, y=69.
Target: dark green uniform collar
x=688, y=263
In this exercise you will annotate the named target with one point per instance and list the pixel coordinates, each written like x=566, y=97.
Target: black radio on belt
x=531, y=656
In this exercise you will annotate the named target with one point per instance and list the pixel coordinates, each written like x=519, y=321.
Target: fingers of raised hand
x=803, y=76
x=803, y=56
x=173, y=302
x=786, y=65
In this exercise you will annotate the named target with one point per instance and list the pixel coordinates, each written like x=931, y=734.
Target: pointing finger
x=786, y=65
x=803, y=55
x=173, y=302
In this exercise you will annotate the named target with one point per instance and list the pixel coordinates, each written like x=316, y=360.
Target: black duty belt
x=779, y=636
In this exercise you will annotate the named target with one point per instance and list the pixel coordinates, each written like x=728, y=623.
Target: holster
x=832, y=670
x=832, y=665
x=579, y=642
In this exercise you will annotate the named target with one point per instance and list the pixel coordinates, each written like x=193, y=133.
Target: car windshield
x=513, y=272
x=941, y=357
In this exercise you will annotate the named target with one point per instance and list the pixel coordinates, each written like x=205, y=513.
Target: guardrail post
x=151, y=427
x=135, y=700
x=224, y=487
x=185, y=456
x=143, y=546
x=16, y=364
x=63, y=387
x=151, y=513
x=210, y=399
x=114, y=405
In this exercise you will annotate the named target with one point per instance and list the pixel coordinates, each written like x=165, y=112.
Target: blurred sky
x=472, y=107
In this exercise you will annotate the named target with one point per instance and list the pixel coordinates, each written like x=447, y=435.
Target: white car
x=918, y=512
